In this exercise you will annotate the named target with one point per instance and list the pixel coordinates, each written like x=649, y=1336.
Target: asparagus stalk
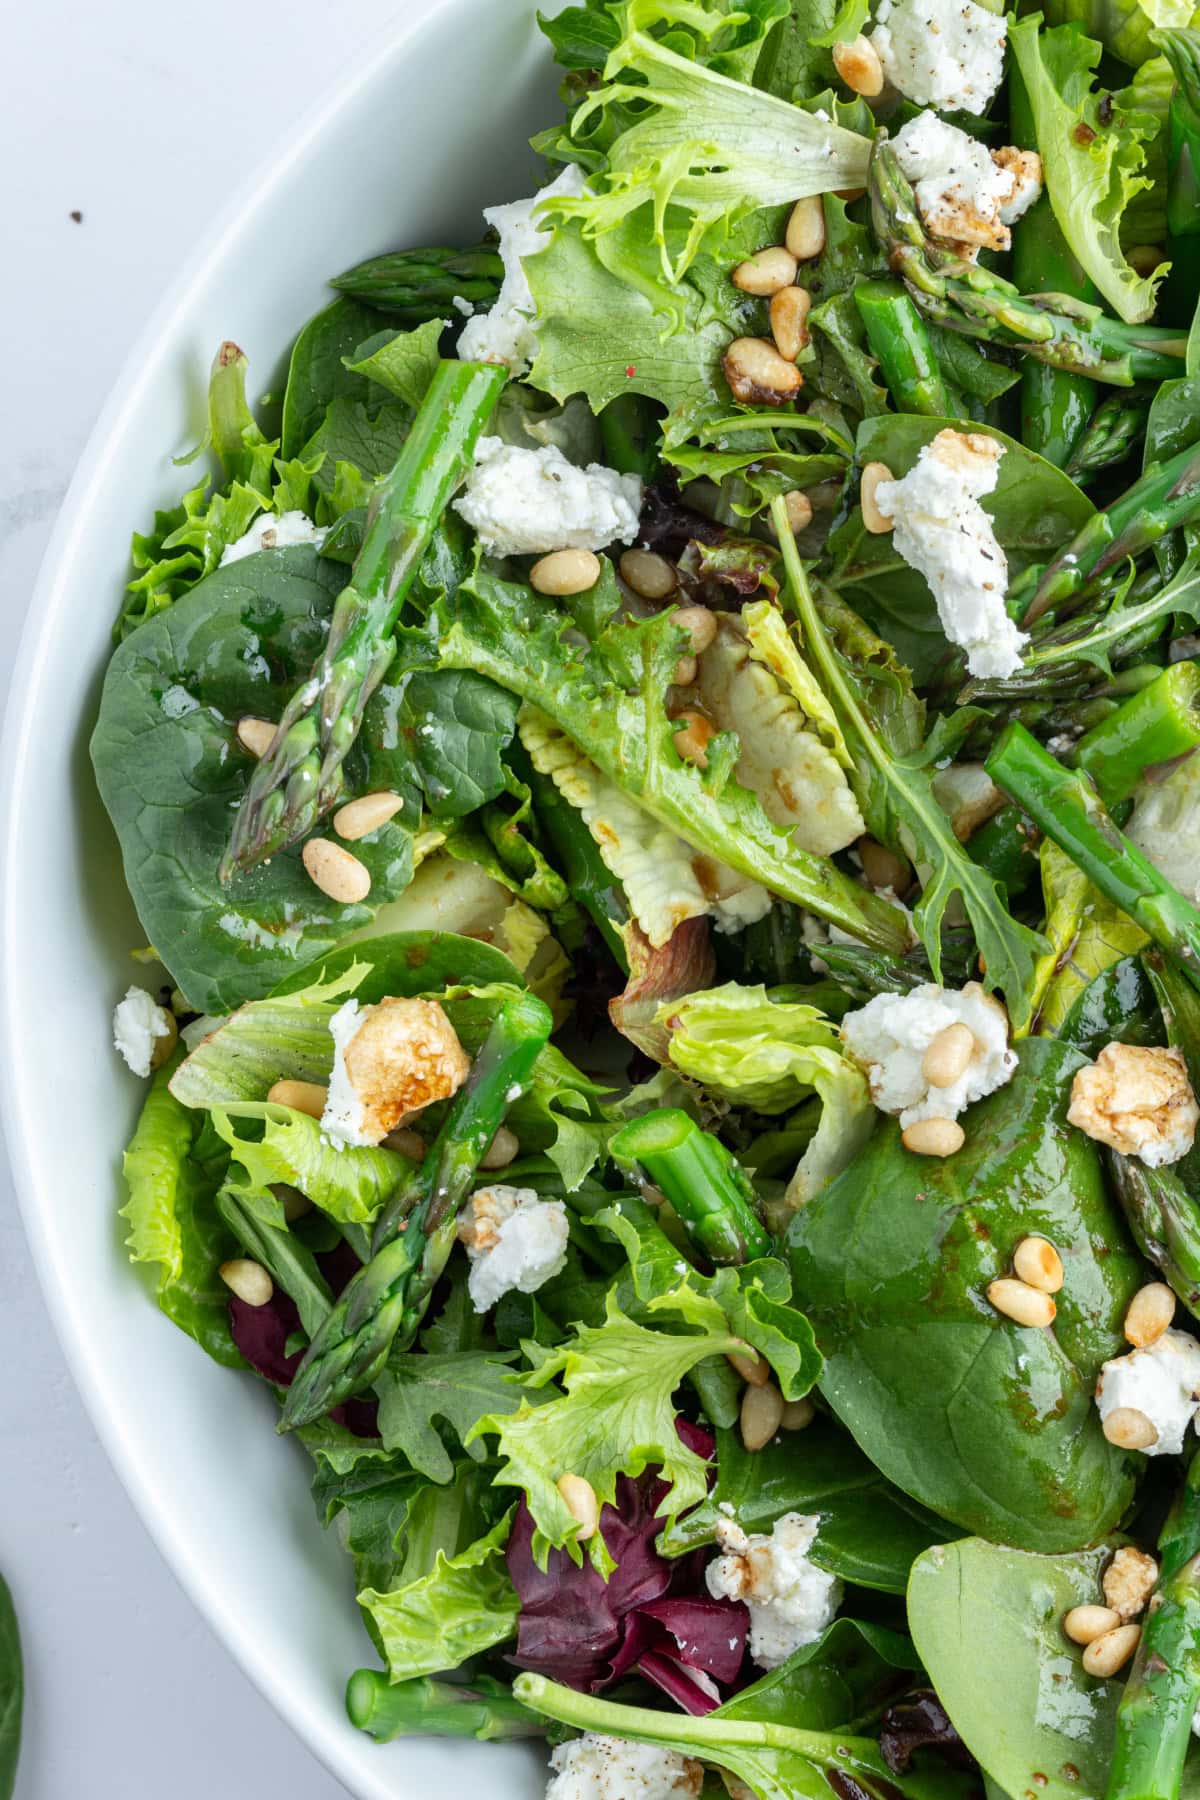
x=300, y=776
x=708, y=1188
x=1164, y=1222
x=484, y=1708
x=1182, y=50
x=1111, y=434
x=384, y=1303
x=415, y=285
x=1159, y=722
x=289, y=1263
x=897, y=335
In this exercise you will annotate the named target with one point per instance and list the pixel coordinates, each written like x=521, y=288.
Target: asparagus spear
x=1111, y=434
x=384, y=1303
x=300, y=776
x=1182, y=50
x=415, y=285
x=708, y=1188
x=1165, y=1224
x=897, y=335
x=1159, y=722
x=484, y=1708
x=1069, y=334
x=1154, y=1719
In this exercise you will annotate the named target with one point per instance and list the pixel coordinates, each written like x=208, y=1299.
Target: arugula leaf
x=465, y=1604
x=459, y=1387
x=755, y=456
x=372, y=1493
x=1087, y=935
x=12, y=1687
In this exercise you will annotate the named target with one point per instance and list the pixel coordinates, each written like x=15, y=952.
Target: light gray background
x=144, y=116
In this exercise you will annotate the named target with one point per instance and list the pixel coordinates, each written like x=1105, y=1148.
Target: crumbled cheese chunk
x=1162, y=1381
x=273, y=531
x=389, y=1060
x=594, y=1767
x=507, y=334
x=888, y=1038
x=943, y=53
x=1025, y=167
x=1129, y=1581
x=524, y=502
x=942, y=531
x=515, y=1240
x=959, y=188
x=790, y=1599
x=138, y=1023
x=1165, y=823
x=1138, y=1100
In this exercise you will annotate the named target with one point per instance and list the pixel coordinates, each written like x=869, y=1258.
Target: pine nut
x=565, y=572
x=648, y=574
x=875, y=521
x=1105, y=1655
x=248, y=1280
x=406, y=1143
x=295, y=1204
x=805, y=234
x=366, y=814
x=163, y=1047
x=755, y=1371
x=255, y=735
x=1084, y=1624
x=799, y=509
x=700, y=626
x=859, y=66
x=691, y=734
x=501, y=1151
x=758, y=375
x=1018, y=1301
x=335, y=871
x=1130, y=1429
x=1150, y=1313
x=849, y=195
x=762, y=1415
x=766, y=272
x=789, y=320
x=933, y=1137
x=686, y=671
x=579, y=1497
x=882, y=867
x=1145, y=258
x=797, y=1414
x=947, y=1056
x=1129, y=1580
x=302, y=1096
x=1037, y=1263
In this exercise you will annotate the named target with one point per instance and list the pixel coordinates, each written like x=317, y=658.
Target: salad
x=658, y=776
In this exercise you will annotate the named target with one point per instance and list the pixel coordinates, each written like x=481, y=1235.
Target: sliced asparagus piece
x=705, y=1184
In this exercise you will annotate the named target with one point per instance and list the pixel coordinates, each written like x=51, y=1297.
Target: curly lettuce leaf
x=462, y=1605
x=350, y=1184
x=1124, y=27
x=727, y=35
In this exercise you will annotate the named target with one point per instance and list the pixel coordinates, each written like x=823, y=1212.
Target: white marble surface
x=143, y=117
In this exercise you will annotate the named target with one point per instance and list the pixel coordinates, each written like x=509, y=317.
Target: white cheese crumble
x=790, y=1600
x=1137, y=1099
x=507, y=333
x=523, y=502
x=962, y=191
x=942, y=531
x=943, y=53
x=1162, y=1381
x=515, y=1240
x=273, y=531
x=138, y=1023
x=343, y=1119
x=390, y=1060
x=888, y=1038
x=1025, y=167
x=594, y=1767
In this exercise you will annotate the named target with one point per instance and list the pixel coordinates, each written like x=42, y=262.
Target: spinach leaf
x=844, y=1679
x=319, y=373
x=11, y=1692
x=1119, y=1003
x=453, y=727
x=985, y=1422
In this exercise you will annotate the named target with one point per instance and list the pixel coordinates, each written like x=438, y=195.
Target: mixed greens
x=659, y=779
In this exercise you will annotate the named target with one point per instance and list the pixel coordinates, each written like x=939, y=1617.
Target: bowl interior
x=405, y=150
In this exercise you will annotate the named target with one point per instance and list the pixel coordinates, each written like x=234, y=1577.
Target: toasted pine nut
x=789, y=320
x=933, y=1137
x=565, y=572
x=1037, y=1263
x=255, y=735
x=406, y=1143
x=762, y=1415
x=700, y=626
x=163, y=1047
x=692, y=732
x=579, y=1497
x=882, y=867
x=248, y=1280
x=1129, y=1580
x=1129, y=1429
x=1020, y=1302
x=755, y=1371
x=947, y=1056
x=799, y=509
x=766, y=271
x=806, y=228
x=366, y=814
x=849, y=195
x=686, y=671
x=1084, y=1624
x=797, y=1414
x=302, y=1096
x=648, y=574
x=758, y=375
x=859, y=66
x=1150, y=1313
x=1145, y=258
x=335, y=871
x=1105, y=1655
x=295, y=1204
x=501, y=1151
x=875, y=521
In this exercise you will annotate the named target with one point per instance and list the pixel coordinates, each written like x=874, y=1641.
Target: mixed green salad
x=660, y=769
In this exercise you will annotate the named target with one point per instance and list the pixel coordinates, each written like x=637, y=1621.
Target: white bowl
x=404, y=152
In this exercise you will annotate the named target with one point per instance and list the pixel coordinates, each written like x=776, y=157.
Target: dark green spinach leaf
x=844, y=1679
x=318, y=371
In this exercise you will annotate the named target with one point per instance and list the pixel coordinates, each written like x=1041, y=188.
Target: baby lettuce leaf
x=370, y=1493
x=844, y=1679
x=11, y=1691
x=403, y=362
x=1087, y=934
x=988, y=1423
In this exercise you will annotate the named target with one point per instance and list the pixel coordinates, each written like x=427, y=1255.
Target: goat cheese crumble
x=515, y=1240
x=888, y=1038
x=790, y=1600
x=507, y=333
x=273, y=531
x=1138, y=1100
x=1161, y=1381
x=943, y=53
x=138, y=1024
x=523, y=502
x=941, y=530
x=965, y=194
x=595, y=1767
x=389, y=1060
